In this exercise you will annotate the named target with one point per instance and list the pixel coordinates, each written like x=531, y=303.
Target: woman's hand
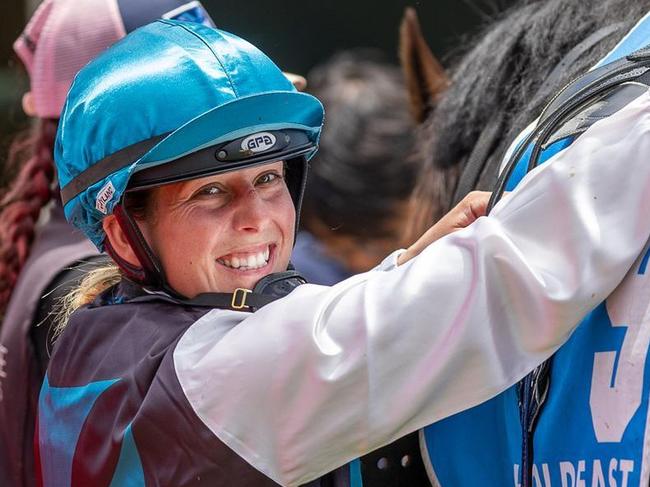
x=462, y=215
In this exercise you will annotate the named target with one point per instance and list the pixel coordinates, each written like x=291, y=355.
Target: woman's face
x=223, y=232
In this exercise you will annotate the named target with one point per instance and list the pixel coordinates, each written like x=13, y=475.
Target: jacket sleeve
x=330, y=373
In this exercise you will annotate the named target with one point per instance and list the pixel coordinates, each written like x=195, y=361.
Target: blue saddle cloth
x=593, y=428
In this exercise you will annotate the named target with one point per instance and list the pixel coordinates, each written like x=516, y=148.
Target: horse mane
x=503, y=76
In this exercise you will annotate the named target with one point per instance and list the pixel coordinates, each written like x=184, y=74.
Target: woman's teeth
x=252, y=261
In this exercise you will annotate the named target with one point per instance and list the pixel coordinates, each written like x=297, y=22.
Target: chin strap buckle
x=239, y=298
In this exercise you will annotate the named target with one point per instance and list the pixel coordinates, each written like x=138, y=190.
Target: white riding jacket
x=328, y=374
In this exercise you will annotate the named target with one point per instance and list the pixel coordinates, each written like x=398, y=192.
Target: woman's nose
x=250, y=213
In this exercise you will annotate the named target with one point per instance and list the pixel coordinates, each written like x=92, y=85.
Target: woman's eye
x=268, y=178
x=209, y=191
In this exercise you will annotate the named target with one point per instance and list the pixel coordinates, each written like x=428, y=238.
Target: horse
x=581, y=419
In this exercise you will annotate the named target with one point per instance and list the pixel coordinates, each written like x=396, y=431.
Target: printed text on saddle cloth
x=616, y=393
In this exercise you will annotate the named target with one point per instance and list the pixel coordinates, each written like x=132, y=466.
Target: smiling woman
x=242, y=226
x=208, y=361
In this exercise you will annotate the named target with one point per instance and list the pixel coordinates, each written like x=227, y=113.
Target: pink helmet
x=63, y=35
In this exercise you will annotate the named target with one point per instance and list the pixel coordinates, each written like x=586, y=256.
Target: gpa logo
x=104, y=196
x=259, y=142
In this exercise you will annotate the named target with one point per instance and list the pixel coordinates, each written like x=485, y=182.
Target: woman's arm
x=330, y=373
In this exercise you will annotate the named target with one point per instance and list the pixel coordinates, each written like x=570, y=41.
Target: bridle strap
x=474, y=166
x=488, y=139
x=578, y=50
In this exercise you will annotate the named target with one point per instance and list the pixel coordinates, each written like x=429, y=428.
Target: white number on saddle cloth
x=617, y=378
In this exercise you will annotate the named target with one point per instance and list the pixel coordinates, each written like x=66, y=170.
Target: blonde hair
x=96, y=282
x=99, y=279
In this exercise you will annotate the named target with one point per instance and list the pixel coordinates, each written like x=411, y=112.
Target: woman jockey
x=183, y=151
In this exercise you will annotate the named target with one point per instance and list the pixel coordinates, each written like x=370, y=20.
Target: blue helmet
x=171, y=101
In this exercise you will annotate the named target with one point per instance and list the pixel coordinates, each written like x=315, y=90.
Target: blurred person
x=197, y=358
x=360, y=181
x=40, y=252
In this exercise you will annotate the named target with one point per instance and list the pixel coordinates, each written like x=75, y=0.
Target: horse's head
x=501, y=83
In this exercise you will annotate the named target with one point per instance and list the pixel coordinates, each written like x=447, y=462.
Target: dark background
x=296, y=34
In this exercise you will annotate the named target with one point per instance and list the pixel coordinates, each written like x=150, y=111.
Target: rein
x=480, y=160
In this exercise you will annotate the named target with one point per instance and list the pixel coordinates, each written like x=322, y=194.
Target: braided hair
x=21, y=204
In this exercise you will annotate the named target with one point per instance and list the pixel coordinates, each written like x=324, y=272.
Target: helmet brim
x=240, y=117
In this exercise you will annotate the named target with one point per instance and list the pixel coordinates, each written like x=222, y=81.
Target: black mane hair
x=503, y=75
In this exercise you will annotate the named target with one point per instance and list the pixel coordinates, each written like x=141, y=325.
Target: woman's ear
x=118, y=240
x=28, y=104
x=299, y=82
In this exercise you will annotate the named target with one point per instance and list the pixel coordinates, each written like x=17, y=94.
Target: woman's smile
x=254, y=259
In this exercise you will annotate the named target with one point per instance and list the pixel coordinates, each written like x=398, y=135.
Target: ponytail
x=93, y=284
x=22, y=202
